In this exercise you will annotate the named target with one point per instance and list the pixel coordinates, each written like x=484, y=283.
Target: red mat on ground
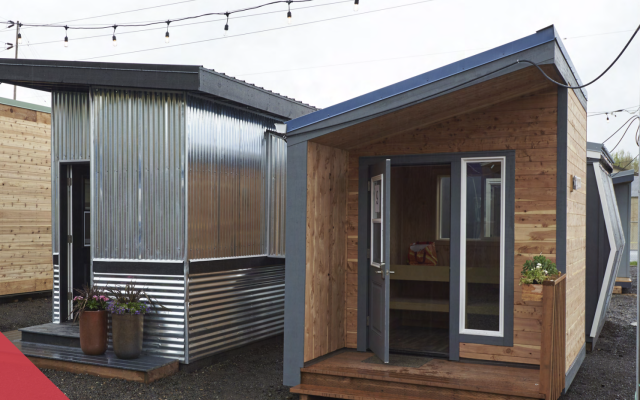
x=20, y=379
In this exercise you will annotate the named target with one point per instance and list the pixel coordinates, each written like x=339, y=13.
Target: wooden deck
x=346, y=376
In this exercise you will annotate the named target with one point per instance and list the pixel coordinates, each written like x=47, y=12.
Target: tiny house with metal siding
x=605, y=239
x=171, y=177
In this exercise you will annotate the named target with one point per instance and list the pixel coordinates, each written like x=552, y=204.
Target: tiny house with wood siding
x=25, y=198
x=410, y=213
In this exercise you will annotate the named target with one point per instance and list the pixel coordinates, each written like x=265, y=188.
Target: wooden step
x=313, y=392
x=347, y=370
x=64, y=334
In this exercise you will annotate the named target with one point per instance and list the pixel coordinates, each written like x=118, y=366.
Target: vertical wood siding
x=25, y=201
x=528, y=125
x=576, y=227
x=326, y=261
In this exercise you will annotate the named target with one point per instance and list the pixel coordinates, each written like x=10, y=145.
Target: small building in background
x=605, y=239
x=622, y=185
x=634, y=218
x=25, y=198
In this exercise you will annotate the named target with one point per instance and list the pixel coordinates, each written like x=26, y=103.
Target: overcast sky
x=326, y=62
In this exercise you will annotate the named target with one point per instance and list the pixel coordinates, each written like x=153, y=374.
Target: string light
x=19, y=33
x=289, y=13
x=356, y=5
x=607, y=117
x=166, y=35
x=115, y=42
x=226, y=26
x=66, y=38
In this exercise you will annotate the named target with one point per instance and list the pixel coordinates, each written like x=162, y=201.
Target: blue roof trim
x=543, y=36
x=568, y=59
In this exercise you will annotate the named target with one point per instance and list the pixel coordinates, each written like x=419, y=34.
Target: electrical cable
x=261, y=31
x=633, y=118
x=192, y=23
x=598, y=77
x=625, y=132
x=625, y=167
x=163, y=22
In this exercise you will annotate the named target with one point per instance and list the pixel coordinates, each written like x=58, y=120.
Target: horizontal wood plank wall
x=576, y=227
x=325, y=285
x=25, y=201
x=526, y=124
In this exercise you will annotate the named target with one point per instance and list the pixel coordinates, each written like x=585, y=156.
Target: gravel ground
x=25, y=313
x=609, y=371
x=252, y=372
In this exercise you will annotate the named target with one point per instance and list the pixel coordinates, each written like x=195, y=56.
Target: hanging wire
x=625, y=132
x=623, y=125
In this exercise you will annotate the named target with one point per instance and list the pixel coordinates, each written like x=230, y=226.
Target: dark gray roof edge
x=255, y=87
x=541, y=37
x=51, y=74
x=25, y=105
x=593, y=146
x=625, y=176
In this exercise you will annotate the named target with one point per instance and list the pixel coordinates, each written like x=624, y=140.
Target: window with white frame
x=482, y=248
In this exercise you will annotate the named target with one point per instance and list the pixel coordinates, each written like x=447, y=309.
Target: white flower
x=539, y=265
x=546, y=273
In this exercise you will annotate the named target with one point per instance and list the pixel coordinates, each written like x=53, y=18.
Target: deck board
x=438, y=373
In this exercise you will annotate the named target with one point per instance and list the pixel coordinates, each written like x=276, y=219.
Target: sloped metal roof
x=543, y=36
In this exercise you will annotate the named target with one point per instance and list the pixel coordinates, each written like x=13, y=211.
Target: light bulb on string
x=66, y=38
x=226, y=26
x=607, y=117
x=166, y=35
x=19, y=33
x=289, y=16
x=356, y=5
x=115, y=42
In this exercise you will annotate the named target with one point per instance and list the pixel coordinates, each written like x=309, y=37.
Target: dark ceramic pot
x=126, y=331
x=93, y=332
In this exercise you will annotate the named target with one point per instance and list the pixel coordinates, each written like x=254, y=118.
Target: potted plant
x=534, y=272
x=127, y=309
x=90, y=308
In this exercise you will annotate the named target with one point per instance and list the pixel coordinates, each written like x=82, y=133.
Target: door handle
x=381, y=273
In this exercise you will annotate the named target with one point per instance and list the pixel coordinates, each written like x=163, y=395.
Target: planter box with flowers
x=534, y=273
x=128, y=309
x=90, y=307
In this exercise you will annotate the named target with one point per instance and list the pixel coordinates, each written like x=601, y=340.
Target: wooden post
x=553, y=347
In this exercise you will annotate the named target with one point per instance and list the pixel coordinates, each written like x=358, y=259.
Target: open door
x=379, y=258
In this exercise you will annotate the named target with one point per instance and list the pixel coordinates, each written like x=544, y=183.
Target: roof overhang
x=597, y=152
x=544, y=47
x=55, y=75
x=623, y=177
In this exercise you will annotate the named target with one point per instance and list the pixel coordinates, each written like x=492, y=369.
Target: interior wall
x=526, y=124
x=576, y=228
x=25, y=201
x=325, y=285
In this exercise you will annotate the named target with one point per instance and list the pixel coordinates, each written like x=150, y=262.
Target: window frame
x=463, y=259
x=377, y=220
x=439, y=209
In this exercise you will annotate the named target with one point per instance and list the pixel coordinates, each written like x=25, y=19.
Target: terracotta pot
x=126, y=331
x=532, y=292
x=93, y=332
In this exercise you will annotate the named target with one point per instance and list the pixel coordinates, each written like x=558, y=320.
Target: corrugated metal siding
x=276, y=190
x=227, y=167
x=138, y=175
x=71, y=141
x=232, y=308
x=164, y=328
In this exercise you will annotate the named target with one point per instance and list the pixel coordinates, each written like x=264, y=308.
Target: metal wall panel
x=138, y=175
x=70, y=141
x=163, y=328
x=232, y=308
x=275, y=193
x=227, y=167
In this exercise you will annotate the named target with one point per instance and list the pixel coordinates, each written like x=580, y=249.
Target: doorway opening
x=75, y=232
x=420, y=228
